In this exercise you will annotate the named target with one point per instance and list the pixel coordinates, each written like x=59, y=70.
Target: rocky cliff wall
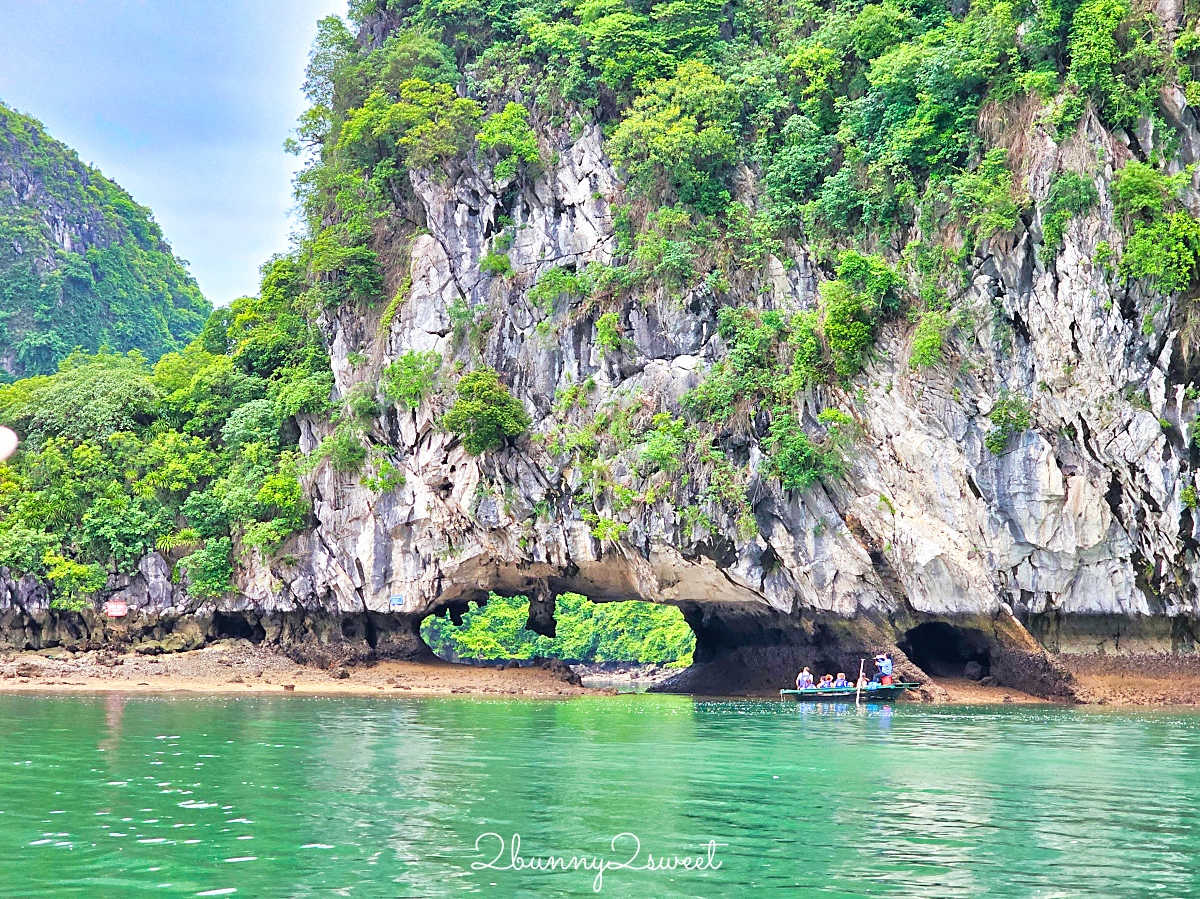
x=1077, y=533
x=1081, y=515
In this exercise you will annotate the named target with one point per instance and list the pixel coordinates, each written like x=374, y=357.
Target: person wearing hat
x=884, y=665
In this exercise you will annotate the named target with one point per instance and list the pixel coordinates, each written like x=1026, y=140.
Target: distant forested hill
x=81, y=264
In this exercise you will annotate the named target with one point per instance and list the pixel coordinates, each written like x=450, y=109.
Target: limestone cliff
x=1078, y=529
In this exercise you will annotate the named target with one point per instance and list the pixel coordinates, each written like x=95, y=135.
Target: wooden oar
x=858, y=683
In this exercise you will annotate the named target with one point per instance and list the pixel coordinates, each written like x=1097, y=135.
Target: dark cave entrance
x=756, y=650
x=943, y=650
x=237, y=626
x=360, y=629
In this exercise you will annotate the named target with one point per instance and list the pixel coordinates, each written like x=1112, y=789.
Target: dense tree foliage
x=81, y=264
x=484, y=412
x=186, y=456
x=585, y=632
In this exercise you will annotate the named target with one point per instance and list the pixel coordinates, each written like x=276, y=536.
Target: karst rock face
x=1077, y=528
x=1075, y=537
x=1075, y=533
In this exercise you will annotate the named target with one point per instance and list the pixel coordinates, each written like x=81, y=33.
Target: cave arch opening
x=941, y=649
x=495, y=628
x=237, y=626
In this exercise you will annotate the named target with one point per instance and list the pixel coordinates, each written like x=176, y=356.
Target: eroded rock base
x=740, y=649
x=1119, y=634
x=312, y=638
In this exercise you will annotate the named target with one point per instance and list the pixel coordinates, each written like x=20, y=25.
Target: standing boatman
x=885, y=666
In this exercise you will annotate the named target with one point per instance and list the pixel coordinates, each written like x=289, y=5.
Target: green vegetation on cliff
x=855, y=118
x=81, y=264
x=186, y=456
x=484, y=412
x=878, y=134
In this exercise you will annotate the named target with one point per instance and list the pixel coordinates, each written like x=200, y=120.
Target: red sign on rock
x=116, y=608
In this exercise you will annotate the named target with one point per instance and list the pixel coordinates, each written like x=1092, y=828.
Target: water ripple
x=386, y=798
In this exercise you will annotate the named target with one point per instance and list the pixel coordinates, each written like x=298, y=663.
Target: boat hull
x=881, y=693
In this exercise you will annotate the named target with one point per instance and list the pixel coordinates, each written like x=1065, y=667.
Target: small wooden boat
x=869, y=693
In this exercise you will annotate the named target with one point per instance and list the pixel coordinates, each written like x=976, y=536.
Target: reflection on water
x=293, y=797
x=620, y=684
x=114, y=713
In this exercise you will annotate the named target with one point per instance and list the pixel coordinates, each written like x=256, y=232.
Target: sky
x=185, y=103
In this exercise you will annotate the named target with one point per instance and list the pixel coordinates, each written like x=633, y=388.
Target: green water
x=112, y=796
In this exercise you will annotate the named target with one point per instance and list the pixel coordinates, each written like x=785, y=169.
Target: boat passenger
x=841, y=680
x=804, y=680
x=863, y=683
x=826, y=682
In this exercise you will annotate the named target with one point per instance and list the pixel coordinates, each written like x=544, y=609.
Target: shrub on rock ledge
x=484, y=412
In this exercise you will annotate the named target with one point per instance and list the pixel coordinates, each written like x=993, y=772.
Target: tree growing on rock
x=510, y=135
x=484, y=412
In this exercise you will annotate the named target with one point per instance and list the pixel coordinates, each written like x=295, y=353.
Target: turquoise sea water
x=117, y=796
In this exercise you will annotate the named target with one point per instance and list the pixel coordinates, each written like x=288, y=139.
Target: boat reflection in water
x=880, y=710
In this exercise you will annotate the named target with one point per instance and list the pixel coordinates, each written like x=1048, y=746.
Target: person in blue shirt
x=841, y=680
x=884, y=666
x=826, y=682
x=804, y=680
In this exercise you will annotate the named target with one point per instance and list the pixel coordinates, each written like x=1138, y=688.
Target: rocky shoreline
x=624, y=676
x=240, y=667
x=1143, y=679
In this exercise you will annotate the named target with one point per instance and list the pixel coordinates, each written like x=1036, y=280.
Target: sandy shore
x=237, y=666
x=1126, y=680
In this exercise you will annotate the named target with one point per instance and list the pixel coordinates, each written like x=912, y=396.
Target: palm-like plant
x=184, y=537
